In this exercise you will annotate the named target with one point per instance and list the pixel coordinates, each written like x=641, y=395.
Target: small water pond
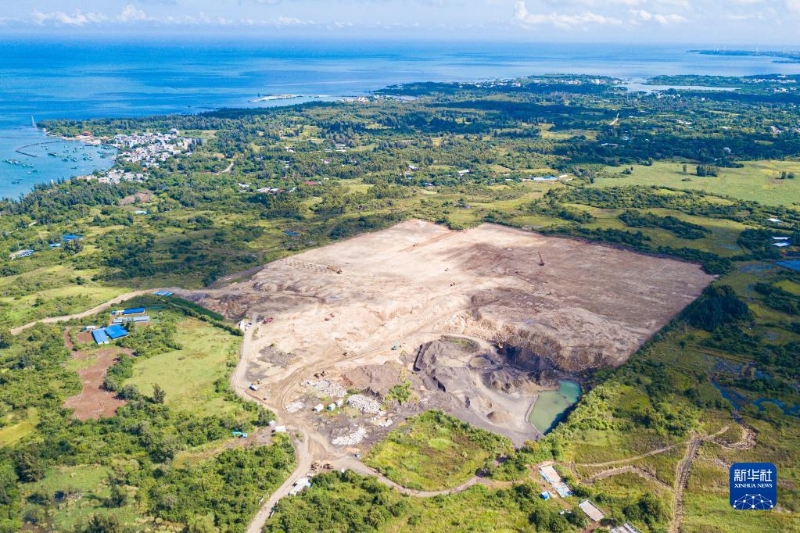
x=552, y=405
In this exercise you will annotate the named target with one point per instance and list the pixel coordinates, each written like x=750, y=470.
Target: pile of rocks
x=295, y=406
x=382, y=422
x=326, y=387
x=353, y=438
x=365, y=405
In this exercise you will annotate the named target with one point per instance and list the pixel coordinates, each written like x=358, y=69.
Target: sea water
x=28, y=156
x=94, y=79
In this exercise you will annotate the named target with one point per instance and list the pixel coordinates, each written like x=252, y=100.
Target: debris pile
x=365, y=405
x=351, y=439
x=382, y=422
x=326, y=387
x=295, y=406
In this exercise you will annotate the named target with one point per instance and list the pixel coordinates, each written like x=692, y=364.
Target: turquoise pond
x=551, y=406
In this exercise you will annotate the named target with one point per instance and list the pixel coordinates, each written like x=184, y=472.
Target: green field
x=188, y=375
x=10, y=434
x=434, y=451
x=756, y=180
x=69, y=495
x=51, y=291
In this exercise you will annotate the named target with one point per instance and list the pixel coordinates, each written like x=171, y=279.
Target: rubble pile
x=365, y=405
x=326, y=387
x=351, y=439
x=295, y=406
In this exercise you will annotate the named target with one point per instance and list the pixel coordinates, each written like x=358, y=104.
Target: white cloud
x=561, y=20
x=131, y=14
x=646, y=16
x=78, y=18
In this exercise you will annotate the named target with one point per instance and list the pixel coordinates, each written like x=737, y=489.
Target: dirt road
x=84, y=314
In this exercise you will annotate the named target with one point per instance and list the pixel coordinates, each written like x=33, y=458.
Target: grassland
x=69, y=495
x=51, y=291
x=15, y=432
x=434, y=451
x=188, y=375
x=756, y=180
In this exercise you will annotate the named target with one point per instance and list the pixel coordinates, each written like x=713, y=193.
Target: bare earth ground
x=342, y=308
x=94, y=401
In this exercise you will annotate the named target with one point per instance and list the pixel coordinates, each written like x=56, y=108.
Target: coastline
x=24, y=157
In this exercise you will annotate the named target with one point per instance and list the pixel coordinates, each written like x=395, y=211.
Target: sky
x=718, y=22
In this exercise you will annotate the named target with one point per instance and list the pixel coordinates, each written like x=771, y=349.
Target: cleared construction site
x=472, y=322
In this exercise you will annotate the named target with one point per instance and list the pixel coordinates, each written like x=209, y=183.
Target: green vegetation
x=188, y=375
x=756, y=181
x=349, y=502
x=68, y=474
x=679, y=228
x=435, y=451
x=401, y=393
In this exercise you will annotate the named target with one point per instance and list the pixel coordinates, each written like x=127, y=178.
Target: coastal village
x=146, y=149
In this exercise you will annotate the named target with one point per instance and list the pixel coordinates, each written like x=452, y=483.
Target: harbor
x=29, y=157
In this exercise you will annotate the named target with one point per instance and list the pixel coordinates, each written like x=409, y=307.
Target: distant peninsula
x=785, y=57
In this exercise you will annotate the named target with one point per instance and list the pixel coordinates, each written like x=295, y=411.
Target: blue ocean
x=42, y=80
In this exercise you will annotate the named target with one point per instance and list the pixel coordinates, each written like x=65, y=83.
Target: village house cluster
x=146, y=149
x=150, y=149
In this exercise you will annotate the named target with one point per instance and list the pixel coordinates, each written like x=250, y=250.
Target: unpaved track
x=90, y=312
x=684, y=468
x=632, y=459
x=629, y=469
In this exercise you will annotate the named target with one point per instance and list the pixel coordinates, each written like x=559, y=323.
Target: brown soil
x=142, y=197
x=68, y=341
x=94, y=401
x=84, y=337
x=350, y=308
x=375, y=379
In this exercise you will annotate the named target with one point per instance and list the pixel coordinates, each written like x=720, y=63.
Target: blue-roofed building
x=134, y=311
x=100, y=336
x=70, y=237
x=116, y=332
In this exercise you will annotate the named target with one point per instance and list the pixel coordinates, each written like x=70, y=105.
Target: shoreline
x=86, y=159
